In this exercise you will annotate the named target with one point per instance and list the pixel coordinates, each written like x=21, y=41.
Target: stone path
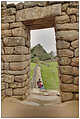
x=39, y=104
x=42, y=97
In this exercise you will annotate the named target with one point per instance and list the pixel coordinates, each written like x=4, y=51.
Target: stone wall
x=17, y=21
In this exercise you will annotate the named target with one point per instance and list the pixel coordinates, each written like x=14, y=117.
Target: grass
x=49, y=74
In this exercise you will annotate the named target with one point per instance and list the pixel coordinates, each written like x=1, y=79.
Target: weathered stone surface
x=3, y=3
x=4, y=65
x=5, y=26
x=65, y=53
x=66, y=79
x=74, y=4
x=3, y=94
x=8, y=19
x=18, y=66
x=5, y=33
x=75, y=71
x=70, y=35
x=19, y=32
x=28, y=43
x=67, y=26
x=19, y=6
x=76, y=80
x=22, y=72
x=29, y=4
x=21, y=50
x=37, y=12
x=77, y=52
x=21, y=78
x=62, y=44
x=8, y=50
x=14, y=58
x=69, y=88
x=75, y=62
x=17, y=85
x=66, y=70
x=11, y=5
x=17, y=25
x=9, y=92
x=71, y=11
x=14, y=41
x=75, y=44
x=73, y=18
x=3, y=85
x=19, y=91
x=66, y=96
x=62, y=19
x=8, y=78
x=11, y=11
x=65, y=61
x=64, y=6
x=76, y=96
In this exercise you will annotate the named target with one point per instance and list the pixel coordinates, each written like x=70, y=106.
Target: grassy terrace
x=49, y=74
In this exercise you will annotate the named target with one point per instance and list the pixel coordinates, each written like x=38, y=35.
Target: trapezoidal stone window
x=17, y=21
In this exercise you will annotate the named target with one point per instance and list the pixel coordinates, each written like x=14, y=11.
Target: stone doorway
x=17, y=21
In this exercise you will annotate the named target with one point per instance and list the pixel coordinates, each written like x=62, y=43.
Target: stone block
x=76, y=80
x=66, y=79
x=73, y=18
x=72, y=11
x=69, y=35
x=69, y=88
x=77, y=52
x=65, y=61
x=66, y=70
x=8, y=78
x=62, y=19
x=37, y=12
x=64, y=6
x=75, y=71
x=19, y=32
x=21, y=78
x=21, y=50
x=67, y=26
x=19, y=6
x=8, y=19
x=65, y=53
x=3, y=85
x=4, y=65
x=75, y=44
x=17, y=25
x=5, y=33
x=9, y=92
x=2, y=51
x=18, y=66
x=19, y=91
x=17, y=85
x=8, y=50
x=10, y=72
x=4, y=26
x=11, y=11
x=62, y=44
x=14, y=58
x=66, y=96
x=75, y=62
x=14, y=41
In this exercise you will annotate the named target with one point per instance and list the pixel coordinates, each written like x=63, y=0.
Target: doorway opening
x=44, y=55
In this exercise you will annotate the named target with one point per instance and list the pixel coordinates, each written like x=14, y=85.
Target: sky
x=45, y=37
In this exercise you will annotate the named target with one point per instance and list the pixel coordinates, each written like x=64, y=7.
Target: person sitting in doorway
x=40, y=85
